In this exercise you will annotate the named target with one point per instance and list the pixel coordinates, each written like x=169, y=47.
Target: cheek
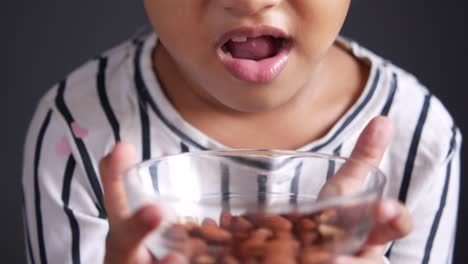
x=179, y=26
x=328, y=16
x=322, y=21
x=156, y=12
x=334, y=14
x=173, y=19
x=332, y=9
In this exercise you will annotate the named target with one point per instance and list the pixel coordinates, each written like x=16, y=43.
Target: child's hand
x=393, y=220
x=125, y=239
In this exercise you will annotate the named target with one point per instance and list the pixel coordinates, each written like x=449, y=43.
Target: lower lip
x=261, y=71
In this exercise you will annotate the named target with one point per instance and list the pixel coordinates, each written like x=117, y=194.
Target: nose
x=248, y=7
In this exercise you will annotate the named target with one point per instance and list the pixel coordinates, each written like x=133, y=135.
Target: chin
x=255, y=104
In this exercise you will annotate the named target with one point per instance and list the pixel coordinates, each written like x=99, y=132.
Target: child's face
x=249, y=55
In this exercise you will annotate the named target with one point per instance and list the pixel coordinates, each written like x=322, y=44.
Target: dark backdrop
x=44, y=40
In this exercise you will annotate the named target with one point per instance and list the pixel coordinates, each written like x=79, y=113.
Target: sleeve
x=433, y=203
x=63, y=220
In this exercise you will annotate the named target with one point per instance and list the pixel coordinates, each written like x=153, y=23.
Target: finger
x=371, y=252
x=368, y=151
x=353, y=260
x=393, y=221
x=373, y=141
x=111, y=169
x=174, y=259
x=126, y=238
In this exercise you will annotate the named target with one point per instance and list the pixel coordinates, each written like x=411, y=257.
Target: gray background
x=44, y=40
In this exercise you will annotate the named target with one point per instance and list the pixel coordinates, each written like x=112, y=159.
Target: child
x=235, y=74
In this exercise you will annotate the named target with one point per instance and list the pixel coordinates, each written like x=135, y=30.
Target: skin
x=196, y=82
x=124, y=244
x=319, y=83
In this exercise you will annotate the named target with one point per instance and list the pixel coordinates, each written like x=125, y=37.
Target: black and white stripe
x=225, y=190
x=332, y=163
x=37, y=191
x=153, y=169
x=88, y=165
x=146, y=98
x=145, y=131
x=143, y=103
x=28, y=240
x=104, y=100
x=261, y=187
x=262, y=165
x=354, y=114
x=294, y=189
x=443, y=199
x=409, y=164
x=413, y=149
x=452, y=246
x=389, y=250
x=183, y=148
x=398, y=94
x=74, y=226
x=391, y=96
x=27, y=235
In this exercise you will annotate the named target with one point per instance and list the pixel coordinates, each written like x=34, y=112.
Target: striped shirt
x=117, y=97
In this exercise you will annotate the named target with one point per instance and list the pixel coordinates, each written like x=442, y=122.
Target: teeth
x=239, y=39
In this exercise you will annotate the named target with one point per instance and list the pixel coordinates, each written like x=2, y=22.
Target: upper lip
x=251, y=32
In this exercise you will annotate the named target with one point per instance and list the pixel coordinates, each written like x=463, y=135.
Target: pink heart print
x=63, y=148
x=79, y=131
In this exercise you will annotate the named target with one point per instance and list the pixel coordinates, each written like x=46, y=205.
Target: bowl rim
x=333, y=200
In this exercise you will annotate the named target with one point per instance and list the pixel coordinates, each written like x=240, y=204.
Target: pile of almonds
x=256, y=238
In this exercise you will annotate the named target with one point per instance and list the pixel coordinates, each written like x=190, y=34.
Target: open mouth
x=254, y=48
x=254, y=55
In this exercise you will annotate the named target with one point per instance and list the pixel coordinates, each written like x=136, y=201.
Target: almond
x=229, y=260
x=330, y=231
x=308, y=238
x=314, y=255
x=195, y=247
x=204, y=259
x=281, y=247
x=225, y=220
x=240, y=224
x=306, y=224
x=215, y=234
x=276, y=223
x=262, y=234
x=252, y=248
x=279, y=259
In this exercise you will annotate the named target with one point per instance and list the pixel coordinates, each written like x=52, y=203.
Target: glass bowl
x=256, y=206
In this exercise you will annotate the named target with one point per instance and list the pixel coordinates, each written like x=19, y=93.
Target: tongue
x=253, y=49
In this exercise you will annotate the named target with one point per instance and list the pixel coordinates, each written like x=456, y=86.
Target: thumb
x=111, y=169
x=125, y=241
x=368, y=151
x=393, y=221
x=134, y=229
